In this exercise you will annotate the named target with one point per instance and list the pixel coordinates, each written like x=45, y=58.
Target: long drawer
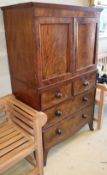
x=67, y=127
x=60, y=111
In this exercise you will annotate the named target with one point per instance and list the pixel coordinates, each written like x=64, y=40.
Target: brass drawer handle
x=58, y=94
x=58, y=131
x=86, y=83
x=58, y=113
x=85, y=99
x=85, y=116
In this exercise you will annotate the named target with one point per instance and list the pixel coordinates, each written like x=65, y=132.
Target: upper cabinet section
x=86, y=43
x=65, y=46
x=50, y=43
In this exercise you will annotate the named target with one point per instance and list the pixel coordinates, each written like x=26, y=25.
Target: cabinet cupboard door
x=86, y=46
x=56, y=52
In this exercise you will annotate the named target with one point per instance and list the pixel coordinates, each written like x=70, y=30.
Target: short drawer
x=55, y=96
x=67, y=127
x=84, y=83
x=68, y=107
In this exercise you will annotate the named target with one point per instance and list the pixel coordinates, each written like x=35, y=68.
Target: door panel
x=54, y=50
x=56, y=40
x=86, y=42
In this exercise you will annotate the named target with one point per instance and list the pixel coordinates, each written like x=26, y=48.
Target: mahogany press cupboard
x=52, y=51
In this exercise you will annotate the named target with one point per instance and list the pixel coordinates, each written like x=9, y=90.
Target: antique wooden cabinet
x=52, y=51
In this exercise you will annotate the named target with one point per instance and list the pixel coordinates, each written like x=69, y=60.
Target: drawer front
x=84, y=83
x=55, y=96
x=68, y=107
x=67, y=127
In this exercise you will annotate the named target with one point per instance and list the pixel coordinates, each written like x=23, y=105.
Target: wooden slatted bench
x=101, y=100
x=20, y=135
x=101, y=90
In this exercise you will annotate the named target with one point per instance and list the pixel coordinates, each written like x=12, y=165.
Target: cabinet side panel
x=26, y=94
x=20, y=43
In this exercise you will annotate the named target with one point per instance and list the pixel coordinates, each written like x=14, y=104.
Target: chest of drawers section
x=69, y=110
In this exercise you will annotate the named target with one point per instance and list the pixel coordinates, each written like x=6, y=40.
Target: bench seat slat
x=9, y=136
x=13, y=146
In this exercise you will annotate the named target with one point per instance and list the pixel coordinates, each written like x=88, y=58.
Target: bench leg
x=101, y=110
x=34, y=172
x=100, y=116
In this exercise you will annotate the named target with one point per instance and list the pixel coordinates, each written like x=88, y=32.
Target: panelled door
x=86, y=31
x=55, y=48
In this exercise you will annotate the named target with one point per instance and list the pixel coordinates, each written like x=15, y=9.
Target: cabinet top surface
x=58, y=6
